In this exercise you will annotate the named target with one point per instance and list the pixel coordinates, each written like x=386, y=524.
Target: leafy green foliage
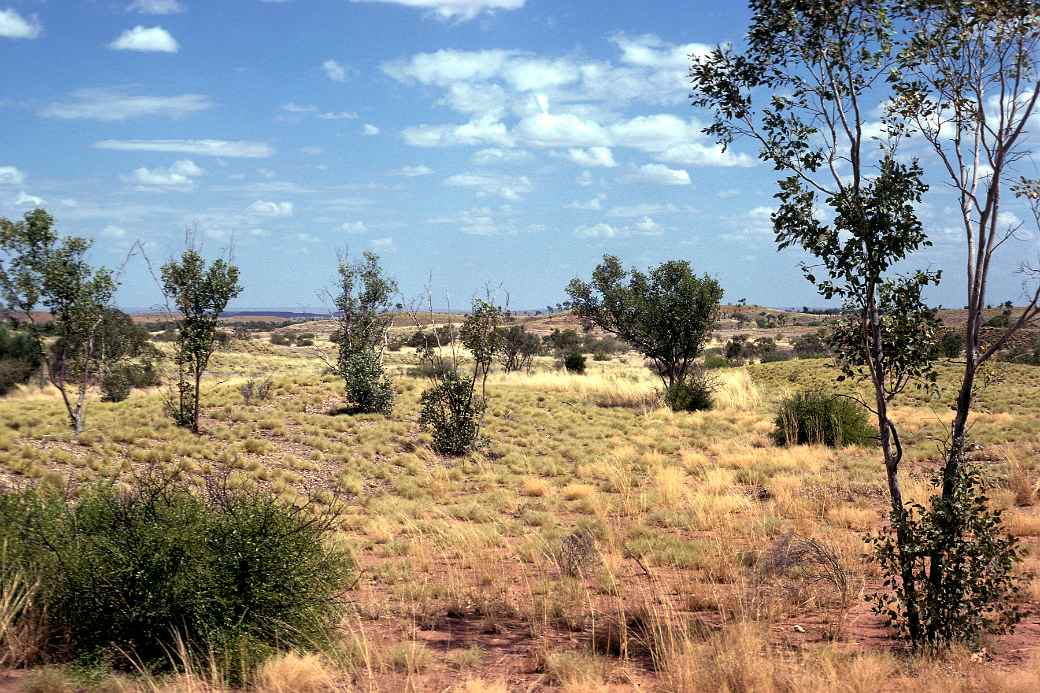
x=574, y=362
x=693, y=394
x=40, y=269
x=452, y=412
x=116, y=384
x=199, y=294
x=363, y=306
x=974, y=592
x=122, y=572
x=20, y=357
x=951, y=344
x=518, y=348
x=667, y=314
x=818, y=418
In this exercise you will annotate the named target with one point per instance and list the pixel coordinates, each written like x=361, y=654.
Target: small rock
x=797, y=628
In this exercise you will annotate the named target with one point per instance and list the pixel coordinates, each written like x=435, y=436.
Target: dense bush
x=814, y=418
x=452, y=412
x=574, y=362
x=776, y=355
x=951, y=344
x=121, y=572
x=693, y=394
x=978, y=587
x=116, y=384
x=713, y=361
x=20, y=357
x=518, y=348
x=368, y=387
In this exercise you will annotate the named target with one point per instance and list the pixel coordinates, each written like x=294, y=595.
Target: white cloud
x=153, y=39
x=116, y=104
x=487, y=221
x=111, y=231
x=447, y=67
x=593, y=205
x=271, y=209
x=563, y=130
x=600, y=230
x=354, y=227
x=660, y=174
x=26, y=200
x=10, y=175
x=1008, y=220
x=293, y=107
x=461, y=10
x=13, y=25
x=700, y=154
x=334, y=71
x=156, y=6
x=506, y=187
x=650, y=51
x=584, y=178
x=642, y=210
x=339, y=115
x=644, y=227
x=412, y=171
x=369, y=130
x=494, y=155
x=593, y=157
x=224, y=148
x=177, y=177
x=475, y=132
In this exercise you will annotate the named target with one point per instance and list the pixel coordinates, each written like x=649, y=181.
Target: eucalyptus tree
x=364, y=316
x=199, y=294
x=804, y=90
x=45, y=271
x=668, y=314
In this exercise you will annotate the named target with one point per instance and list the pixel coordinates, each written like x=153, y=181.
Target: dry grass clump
x=291, y=672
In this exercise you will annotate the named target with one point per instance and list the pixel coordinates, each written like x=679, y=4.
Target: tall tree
x=45, y=271
x=200, y=294
x=816, y=67
x=667, y=314
x=364, y=316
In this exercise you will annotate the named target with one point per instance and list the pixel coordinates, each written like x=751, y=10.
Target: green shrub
x=116, y=384
x=951, y=345
x=813, y=418
x=451, y=412
x=369, y=389
x=574, y=363
x=776, y=356
x=694, y=394
x=975, y=592
x=123, y=572
x=713, y=361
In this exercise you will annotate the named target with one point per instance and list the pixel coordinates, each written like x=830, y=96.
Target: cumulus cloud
x=334, y=71
x=650, y=51
x=116, y=104
x=488, y=221
x=494, y=155
x=563, y=130
x=644, y=227
x=460, y=10
x=369, y=130
x=15, y=26
x=593, y=205
x=293, y=107
x=593, y=157
x=483, y=131
x=506, y=187
x=156, y=6
x=659, y=174
x=142, y=39
x=222, y=148
x=354, y=227
x=412, y=171
x=264, y=208
x=180, y=177
x=10, y=175
x=26, y=200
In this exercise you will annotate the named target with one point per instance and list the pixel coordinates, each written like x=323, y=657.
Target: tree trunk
x=195, y=403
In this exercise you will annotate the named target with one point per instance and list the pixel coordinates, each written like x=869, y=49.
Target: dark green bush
x=694, y=394
x=451, y=411
x=713, y=361
x=116, y=384
x=976, y=590
x=814, y=418
x=951, y=345
x=369, y=389
x=776, y=356
x=122, y=572
x=20, y=357
x=574, y=363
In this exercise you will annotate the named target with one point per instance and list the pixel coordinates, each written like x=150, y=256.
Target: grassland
x=598, y=542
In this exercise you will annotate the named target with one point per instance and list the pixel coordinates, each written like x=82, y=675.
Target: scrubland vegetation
x=599, y=539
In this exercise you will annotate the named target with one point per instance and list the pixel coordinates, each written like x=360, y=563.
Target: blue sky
x=510, y=142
